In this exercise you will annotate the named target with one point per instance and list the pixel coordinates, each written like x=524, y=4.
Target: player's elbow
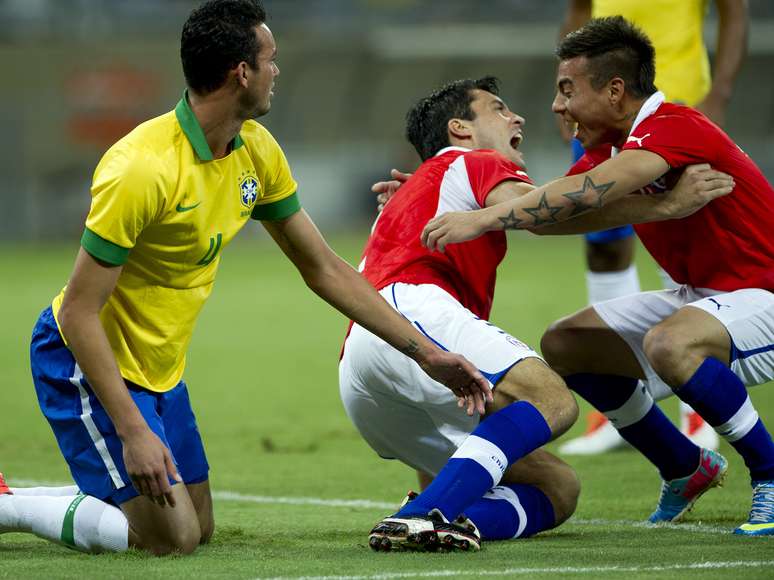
x=322, y=278
x=69, y=316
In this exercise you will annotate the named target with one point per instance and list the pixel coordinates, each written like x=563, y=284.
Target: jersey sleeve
x=126, y=196
x=280, y=199
x=680, y=138
x=487, y=169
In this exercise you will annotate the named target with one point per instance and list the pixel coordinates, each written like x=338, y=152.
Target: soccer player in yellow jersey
x=675, y=28
x=108, y=355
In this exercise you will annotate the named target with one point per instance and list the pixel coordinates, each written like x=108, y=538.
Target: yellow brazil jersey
x=675, y=28
x=165, y=209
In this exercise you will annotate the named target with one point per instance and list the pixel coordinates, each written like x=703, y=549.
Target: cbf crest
x=248, y=190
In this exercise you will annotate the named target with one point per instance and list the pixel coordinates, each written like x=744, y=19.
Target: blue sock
x=512, y=511
x=501, y=439
x=638, y=419
x=720, y=397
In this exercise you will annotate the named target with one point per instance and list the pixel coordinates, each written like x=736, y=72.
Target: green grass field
x=288, y=468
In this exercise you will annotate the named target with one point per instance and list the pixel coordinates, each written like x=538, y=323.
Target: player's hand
x=148, y=463
x=461, y=378
x=698, y=185
x=454, y=227
x=386, y=189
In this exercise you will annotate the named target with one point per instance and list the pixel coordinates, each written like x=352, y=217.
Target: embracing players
x=705, y=341
x=469, y=142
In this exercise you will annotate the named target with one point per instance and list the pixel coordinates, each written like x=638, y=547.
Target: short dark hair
x=217, y=36
x=427, y=120
x=614, y=47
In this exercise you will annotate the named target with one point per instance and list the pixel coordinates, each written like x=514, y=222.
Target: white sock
x=48, y=491
x=603, y=286
x=82, y=522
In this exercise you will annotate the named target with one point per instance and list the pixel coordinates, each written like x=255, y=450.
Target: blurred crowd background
x=79, y=74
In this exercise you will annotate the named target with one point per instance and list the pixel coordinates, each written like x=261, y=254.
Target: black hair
x=614, y=47
x=427, y=120
x=217, y=36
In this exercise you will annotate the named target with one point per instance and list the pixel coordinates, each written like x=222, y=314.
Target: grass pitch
x=288, y=468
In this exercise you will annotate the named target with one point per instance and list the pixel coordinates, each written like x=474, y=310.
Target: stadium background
x=78, y=74
x=287, y=467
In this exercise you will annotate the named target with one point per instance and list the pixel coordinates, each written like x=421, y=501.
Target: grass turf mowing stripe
x=525, y=571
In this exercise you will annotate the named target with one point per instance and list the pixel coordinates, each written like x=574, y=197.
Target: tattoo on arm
x=543, y=213
x=411, y=348
x=510, y=222
x=588, y=197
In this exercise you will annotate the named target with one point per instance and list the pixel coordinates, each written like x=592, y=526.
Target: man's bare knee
x=163, y=530
x=532, y=381
x=663, y=348
x=183, y=540
x=557, y=348
x=563, y=493
x=565, y=343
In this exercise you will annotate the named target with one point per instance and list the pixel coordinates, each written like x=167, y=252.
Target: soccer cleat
x=761, y=520
x=430, y=533
x=600, y=437
x=698, y=430
x=3, y=486
x=679, y=495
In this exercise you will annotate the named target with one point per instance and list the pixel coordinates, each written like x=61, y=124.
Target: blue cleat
x=761, y=521
x=679, y=495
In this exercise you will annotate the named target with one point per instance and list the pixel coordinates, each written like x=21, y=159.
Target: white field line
x=527, y=571
x=390, y=507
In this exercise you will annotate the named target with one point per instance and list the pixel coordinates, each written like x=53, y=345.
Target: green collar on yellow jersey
x=193, y=130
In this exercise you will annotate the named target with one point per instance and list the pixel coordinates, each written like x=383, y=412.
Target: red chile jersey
x=729, y=243
x=456, y=179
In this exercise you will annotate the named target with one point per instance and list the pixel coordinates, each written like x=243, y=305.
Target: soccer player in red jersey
x=468, y=140
x=705, y=341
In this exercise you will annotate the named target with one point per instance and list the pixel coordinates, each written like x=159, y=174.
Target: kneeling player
x=469, y=141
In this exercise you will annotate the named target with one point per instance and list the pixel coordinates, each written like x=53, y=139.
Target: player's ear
x=241, y=73
x=459, y=128
x=615, y=89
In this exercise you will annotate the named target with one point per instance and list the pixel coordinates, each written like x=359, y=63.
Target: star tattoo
x=588, y=197
x=544, y=213
x=510, y=222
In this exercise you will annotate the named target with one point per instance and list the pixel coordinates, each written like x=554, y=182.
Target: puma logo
x=638, y=140
x=718, y=304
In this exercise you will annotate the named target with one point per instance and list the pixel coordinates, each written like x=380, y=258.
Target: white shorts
x=748, y=316
x=400, y=411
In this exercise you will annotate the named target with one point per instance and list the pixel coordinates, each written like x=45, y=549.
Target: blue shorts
x=84, y=431
x=605, y=236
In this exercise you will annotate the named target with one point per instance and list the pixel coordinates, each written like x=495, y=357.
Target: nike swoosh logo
x=181, y=208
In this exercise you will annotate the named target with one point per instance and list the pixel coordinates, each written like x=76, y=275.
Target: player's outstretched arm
x=698, y=185
x=147, y=459
x=557, y=201
x=342, y=287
